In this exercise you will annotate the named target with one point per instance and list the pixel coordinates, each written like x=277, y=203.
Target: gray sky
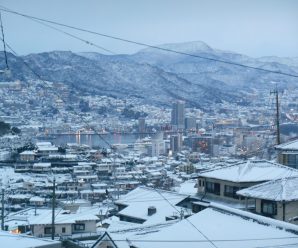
x=252, y=27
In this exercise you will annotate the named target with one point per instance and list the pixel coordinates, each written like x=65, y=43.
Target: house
x=46, y=148
x=22, y=167
x=41, y=167
x=67, y=223
x=145, y=205
x=19, y=198
x=37, y=201
x=221, y=184
x=216, y=226
x=27, y=156
x=24, y=241
x=287, y=153
x=277, y=199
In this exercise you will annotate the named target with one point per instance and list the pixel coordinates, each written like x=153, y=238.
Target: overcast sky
x=253, y=27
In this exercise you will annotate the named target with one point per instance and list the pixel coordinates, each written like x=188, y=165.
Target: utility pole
x=275, y=92
x=53, y=209
x=2, y=209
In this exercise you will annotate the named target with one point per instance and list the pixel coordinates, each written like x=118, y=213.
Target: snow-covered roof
x=292, y=145
x=37, y=199
x=188, y=187
x=42, y=164
x=251, y=171
x=24, y=241
x=44, y=216
x=225, y=227
x=43, y=143
x=140, y=199
x=27, y=153
x=285, y=189
x=47, y=148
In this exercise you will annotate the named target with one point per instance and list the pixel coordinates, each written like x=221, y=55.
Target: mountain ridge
x=156, y=77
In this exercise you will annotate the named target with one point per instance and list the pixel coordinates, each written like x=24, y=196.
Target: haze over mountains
x=157, y=76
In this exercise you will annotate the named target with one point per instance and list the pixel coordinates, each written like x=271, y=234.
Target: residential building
x=66, y=223
x=145, y=205
x=277, y=199
x=221, y=184
x=287, y=153
x=27, y=156
x=216, y=226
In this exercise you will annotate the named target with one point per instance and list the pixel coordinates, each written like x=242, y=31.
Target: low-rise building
x=67, y=223
x=148, y=205
x=216, y=226
x=221, y=184
x=277, y=199
x=27, y=156
x=287, y=153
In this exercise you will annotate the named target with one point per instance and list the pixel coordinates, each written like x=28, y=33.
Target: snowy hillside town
x=148, y=124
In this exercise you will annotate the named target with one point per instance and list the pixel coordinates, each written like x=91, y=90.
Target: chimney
x=151, y=210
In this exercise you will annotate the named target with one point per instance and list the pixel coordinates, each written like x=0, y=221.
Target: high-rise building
x=178, y=114
x=158, y=145
x=176, y=143
x=190, y=123
x=141, y=125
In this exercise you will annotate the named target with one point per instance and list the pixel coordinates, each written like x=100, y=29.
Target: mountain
x=203, y=71
x=107, y=75
x=156, y=76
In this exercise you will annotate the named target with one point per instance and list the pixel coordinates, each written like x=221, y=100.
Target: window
x=63, y=229
x=291, y=159
x=200, y=183
x=79, y=227
x=213, y=188
x=230, y=191
x=48, y=230
x=268, y=207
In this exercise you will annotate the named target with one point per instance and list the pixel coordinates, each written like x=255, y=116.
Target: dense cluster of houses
x=135, y=201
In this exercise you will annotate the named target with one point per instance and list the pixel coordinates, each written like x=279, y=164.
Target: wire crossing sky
x=252, y=27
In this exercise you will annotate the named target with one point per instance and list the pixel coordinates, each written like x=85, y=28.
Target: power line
x=75, y=37
x=199, y=241
x=3, y=40
x=210, y=241
x=40, y=78
x=278, y=246
x=147, y=45
x=202, y=241
x=86, y=123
